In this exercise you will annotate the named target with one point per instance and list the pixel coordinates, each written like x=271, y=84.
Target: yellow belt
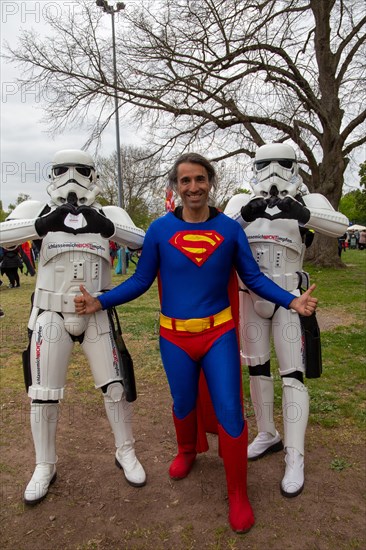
x=196, y=325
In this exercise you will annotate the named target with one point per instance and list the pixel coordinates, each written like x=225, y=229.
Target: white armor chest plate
x=65, y=262
x=277, y=248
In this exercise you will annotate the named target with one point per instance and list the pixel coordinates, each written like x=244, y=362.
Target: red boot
x=234, y=454
x=186, y=430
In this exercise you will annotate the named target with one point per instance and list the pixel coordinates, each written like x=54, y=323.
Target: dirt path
x=92, y=507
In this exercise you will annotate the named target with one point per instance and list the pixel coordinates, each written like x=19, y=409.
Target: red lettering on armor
x=39, y=340
x=114, y=353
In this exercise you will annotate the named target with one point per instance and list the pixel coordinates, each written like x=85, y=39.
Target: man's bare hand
x=305, y=304
x=85, y=304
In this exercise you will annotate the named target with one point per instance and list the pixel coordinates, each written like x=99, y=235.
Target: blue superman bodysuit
x=194, y=262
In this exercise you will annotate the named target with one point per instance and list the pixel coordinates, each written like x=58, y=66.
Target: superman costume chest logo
x=197, y=245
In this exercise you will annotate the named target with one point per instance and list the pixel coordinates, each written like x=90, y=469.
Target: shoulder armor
x=126, y=232
x=234, y=206
x=27, y=210
x=316, y=200
x=117, y=215
x=323, y=218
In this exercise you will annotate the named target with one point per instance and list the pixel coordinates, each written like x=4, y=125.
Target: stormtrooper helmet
x=73, y=178
x=276, y=171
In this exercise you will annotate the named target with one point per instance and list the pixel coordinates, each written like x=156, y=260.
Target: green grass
x=337, y=399
x=343, y=287
x=339, y=464
x=339, y=395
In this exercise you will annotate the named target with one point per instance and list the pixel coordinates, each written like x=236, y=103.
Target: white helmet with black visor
x=276, y=171
x=73, y=178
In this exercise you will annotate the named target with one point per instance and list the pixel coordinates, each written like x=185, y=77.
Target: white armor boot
x=295, y=405
x=268, y=439
x=44, y=417
x=119, y=413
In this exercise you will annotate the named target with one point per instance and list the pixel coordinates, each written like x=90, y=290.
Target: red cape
x=206, y=417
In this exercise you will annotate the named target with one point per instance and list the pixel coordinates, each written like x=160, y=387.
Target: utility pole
x=112, y=10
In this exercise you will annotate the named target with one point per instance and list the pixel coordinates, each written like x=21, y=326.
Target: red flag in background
x=169, y=200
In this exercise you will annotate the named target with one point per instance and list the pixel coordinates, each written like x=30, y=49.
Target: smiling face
x=193, y=187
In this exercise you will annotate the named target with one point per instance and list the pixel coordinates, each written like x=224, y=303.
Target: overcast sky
x=26, y=146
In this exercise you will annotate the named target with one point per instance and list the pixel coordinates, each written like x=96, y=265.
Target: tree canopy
x=20, y=198
x=218, y=76
x=362, y=174
x=353, y=204
x=143, y=189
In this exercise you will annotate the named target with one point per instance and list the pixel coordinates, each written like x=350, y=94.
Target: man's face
x=193, y=186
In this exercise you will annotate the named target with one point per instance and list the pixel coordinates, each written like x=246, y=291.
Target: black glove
x=254, y=209
x=96, y=222
x=273, y=201
x=54, y=221
x=293, y=210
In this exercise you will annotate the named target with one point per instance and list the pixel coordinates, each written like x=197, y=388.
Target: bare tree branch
x=220, y=76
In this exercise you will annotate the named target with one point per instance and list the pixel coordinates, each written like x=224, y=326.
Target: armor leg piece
x=295, y=405
x=186, y=431
x=268, y=439
x=44, y=417
x=119, y=414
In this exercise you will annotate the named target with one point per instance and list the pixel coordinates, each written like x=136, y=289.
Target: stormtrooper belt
x=196, y=325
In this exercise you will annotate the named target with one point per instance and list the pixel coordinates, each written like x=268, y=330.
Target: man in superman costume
x=193, y=252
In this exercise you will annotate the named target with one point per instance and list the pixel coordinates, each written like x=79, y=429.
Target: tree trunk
x=324, y=252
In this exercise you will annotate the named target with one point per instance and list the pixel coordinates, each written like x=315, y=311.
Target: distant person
x=113, y=250
x=362, y=240
x=11, y=265
x=27, y=257
x=342, y=244
x=35, y=250
x=352, y=240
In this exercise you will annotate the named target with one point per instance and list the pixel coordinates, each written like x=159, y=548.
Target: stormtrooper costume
x=277, y=219
x=75, y=232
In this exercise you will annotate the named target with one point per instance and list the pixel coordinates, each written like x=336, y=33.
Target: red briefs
x=196, y=344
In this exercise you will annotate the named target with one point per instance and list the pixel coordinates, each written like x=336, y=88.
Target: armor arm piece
x=19, y=226
x=126, y=233
x=323, y=218
x=234, y=206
